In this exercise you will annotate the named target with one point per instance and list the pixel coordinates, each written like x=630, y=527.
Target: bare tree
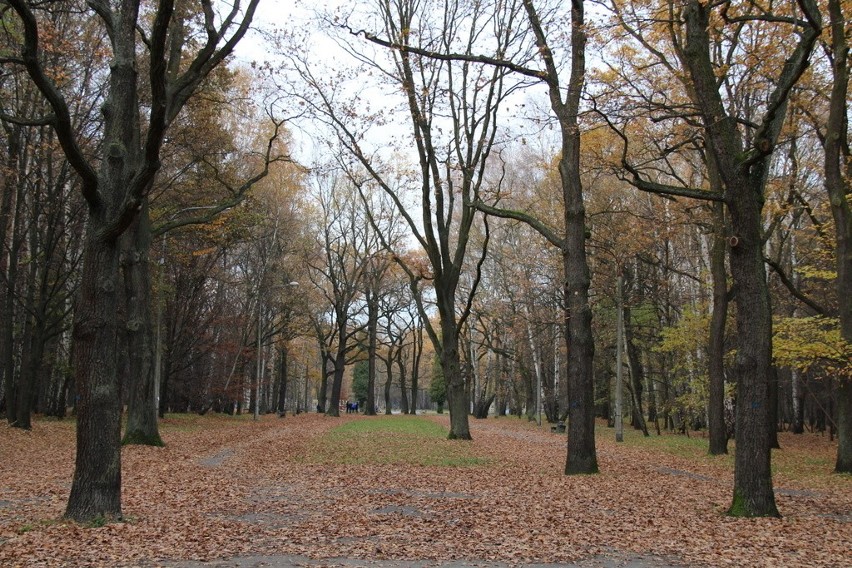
x=452, y=108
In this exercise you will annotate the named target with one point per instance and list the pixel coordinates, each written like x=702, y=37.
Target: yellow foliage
x=812, y=343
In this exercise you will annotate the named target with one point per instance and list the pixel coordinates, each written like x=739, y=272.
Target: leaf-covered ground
x=316, y=487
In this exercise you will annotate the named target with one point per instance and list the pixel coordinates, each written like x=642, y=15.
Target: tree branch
x=798, y=294
x=48, y=120
x=795, y=65
x=534, y=223
x=654, y=187
x=484, y=59
x=62, y=125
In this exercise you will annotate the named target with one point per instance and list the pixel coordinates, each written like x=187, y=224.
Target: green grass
x=802, y=459
x=394, y=440
x=694, y=448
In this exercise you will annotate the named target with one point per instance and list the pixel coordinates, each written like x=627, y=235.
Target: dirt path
x=235, y=493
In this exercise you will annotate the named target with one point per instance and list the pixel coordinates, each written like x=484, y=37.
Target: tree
x=41, y=218
x=451, y=154
x=838, y=185
x=742, y=159
x=361, y=382
x=346, y=242
x=437, y=385
x=114, y=189
x=209, y=156
x=581, y=456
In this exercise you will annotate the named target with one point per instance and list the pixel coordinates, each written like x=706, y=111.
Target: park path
x=279, y=506
x=237, y=493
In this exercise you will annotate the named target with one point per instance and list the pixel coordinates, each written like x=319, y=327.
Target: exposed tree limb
x=484, y=59
x=533, y=222
x=63, y=124
x=798, y=294
x=653, y=187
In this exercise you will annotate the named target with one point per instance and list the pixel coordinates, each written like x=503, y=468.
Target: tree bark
x=372, y=325
x=96, y=487
x=716, y=349
x=339, y=367
x=388, y=381
x=403, y=389
x=142, y=409
x=281, y=405
x=457, y=401
x=637, y=374
x=838, y=184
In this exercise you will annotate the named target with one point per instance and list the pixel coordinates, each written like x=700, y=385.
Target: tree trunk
x=716, y=349
x=96, y=487
x=142, y=409
x=753, y=494
x=456, y=392
x=403, y=389
x=7, y=324
x=772, y=418
x=339, y=367
x=388, y=381
x=372, y=325
x=415, y=368
x=322, y=395
x=281, y=406
x=581, y=456
x=838, y=184
x=637, y=374
x=534, y=387
x=8, y=264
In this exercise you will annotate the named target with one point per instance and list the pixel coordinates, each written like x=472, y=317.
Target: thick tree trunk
x=838, y=184
x=716, y=349
x=96, y=488
x=582, y=457
x=753, y=494
x=457, y=401
x=142, y=409
x=337, y=384
x=772, y=417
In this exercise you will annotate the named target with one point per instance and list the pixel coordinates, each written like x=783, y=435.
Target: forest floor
x=310, y=490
